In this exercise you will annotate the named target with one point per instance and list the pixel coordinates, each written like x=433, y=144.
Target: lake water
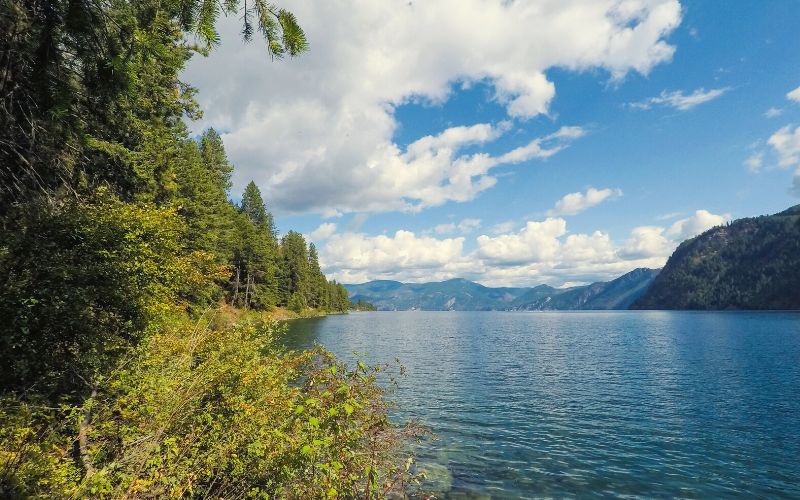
x=653, y=404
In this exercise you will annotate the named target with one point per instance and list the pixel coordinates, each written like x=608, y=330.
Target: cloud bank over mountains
x=316, y=133
x=541, y=252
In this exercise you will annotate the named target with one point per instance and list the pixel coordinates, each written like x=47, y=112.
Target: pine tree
x=317, y=282
x=215, y=160
x=295, y=269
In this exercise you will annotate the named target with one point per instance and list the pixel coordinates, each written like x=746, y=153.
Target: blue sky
x=674, y=134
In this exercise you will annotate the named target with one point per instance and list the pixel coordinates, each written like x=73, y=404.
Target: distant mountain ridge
x=454, y=294
x=464, y=295
x=619, y=293
x=751, y=263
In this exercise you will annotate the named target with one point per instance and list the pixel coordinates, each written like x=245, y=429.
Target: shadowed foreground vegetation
x=119, y=245
x=197, y=410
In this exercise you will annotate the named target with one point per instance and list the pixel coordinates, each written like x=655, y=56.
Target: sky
x=513, y=143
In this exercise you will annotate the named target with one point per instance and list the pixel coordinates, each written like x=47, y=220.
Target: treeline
x=362, y=305
x=119, y=374
x=751, y=263
x=264, y=271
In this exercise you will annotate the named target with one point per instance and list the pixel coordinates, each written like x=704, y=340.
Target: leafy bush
x=199, y=412
x=79, y=283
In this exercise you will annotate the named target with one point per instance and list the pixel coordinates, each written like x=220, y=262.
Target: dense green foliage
x=117, y=237
x=89, y=91
x=362, y=305
x=81, y=280
x=751, y=263
x=211, y=412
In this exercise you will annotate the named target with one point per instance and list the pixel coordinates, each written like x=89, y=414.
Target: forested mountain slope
x=453, y=295
x=752, y=263
x=464, y=295
x=616, y=294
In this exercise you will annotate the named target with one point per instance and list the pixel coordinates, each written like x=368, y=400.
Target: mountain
x=616, y=294
x=464, y=295
x=455, y=295
x=752, y=263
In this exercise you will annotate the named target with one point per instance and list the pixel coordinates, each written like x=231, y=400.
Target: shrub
x=79, y=283
x=203, y=412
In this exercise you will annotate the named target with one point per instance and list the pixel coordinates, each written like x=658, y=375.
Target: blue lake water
x=648, y=404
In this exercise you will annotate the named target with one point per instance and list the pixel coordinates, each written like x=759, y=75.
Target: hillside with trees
x=616, y=294
x=464, y=295
x=752, y=263
x=120, y=374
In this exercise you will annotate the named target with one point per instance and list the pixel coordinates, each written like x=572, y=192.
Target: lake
x=664, y=404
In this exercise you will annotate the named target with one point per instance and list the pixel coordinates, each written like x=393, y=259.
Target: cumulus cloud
x=794, y=95
x=701, y=221
x=680, y=100
x=541, y=252
x=537, y=241
x=323, y=232
x=316, y=133
x=354, y=257
x=786, y=143
x=647, y=242
x=784, y=146
x=575, y=203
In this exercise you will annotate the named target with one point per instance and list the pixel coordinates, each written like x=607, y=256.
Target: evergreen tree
x=212, y=150
x=87, y=86
x=316, y=297
x=294, y=264
x=254, y=281
x=253, y=205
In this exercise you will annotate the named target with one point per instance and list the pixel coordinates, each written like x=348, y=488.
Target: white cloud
x=773, y=112
x=466, y=226
x=595, y=248
x=353, y=257
x=755, y=161
x=316, y=132
x=647, y=242
x=575, y=203
x=323, y=232
x=541, y=252
x=680, y=100
x=448, y=228
x=701, y=221
x=537, y=241
x=503, y=227
x=786, y=143
x=794, y=95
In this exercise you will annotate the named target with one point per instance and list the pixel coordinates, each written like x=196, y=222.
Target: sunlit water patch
x=646, y=404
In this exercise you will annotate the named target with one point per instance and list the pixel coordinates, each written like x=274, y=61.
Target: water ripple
x=592, y=404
